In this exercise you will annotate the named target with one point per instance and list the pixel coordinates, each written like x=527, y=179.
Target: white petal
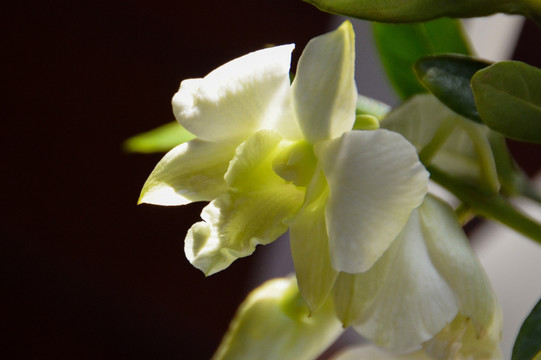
x=457, y=263
x=375, y=180
x=238, y=98
x=427, y=288
x=192, y=171
x=324, y=91
x=403, y=300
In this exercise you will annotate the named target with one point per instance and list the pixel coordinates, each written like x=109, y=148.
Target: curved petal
x=428, y=288
x=324, y=91
x=256, y=210
x=310, y=246
x=274, y=323
x=456, y=262
x=403, y=300
x=238, y=98
x=192, y=171
x=375, y=180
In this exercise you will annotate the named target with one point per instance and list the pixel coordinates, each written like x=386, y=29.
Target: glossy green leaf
x=400, y=46
x=528, y=344
x=421, y=10
x=508, y=97
x=160, y=139
x=448, y=78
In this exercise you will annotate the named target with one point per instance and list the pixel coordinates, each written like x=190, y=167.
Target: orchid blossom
x=269, y=154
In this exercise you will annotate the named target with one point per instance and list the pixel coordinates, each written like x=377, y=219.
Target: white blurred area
x=494, y=37
x=513, y=263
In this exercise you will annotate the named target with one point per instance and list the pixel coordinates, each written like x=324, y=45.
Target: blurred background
x=88, y=274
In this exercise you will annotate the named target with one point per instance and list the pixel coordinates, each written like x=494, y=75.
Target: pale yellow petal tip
x=161, y=195
x=347, y=28
x=348, y=34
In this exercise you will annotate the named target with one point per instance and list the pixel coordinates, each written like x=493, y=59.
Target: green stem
x=464, y=213
x=491, y=206
x=439, y=138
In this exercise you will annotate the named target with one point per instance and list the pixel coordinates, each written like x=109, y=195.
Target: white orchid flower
x=269, y=155
x=428, y=289
x=273, y=322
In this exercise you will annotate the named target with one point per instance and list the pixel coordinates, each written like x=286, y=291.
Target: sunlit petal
x=256, y=210
x=324, y=91
x=375, y=180
x=192, y=171
x=238, y=98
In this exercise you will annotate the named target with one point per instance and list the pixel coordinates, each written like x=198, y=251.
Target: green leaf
x=527, y=345
x=160, y=139
x=448, y=78
x=399, y=11
x=508, y=97
x=400, y=46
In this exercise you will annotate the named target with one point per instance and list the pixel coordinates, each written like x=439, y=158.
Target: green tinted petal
x=252, y=166
x=273, y=323
x=324, y=91
x=375, y=180
x=192, y=171
x=310, y=246
x=256, y=210
x=460, y=340
x=238, y=98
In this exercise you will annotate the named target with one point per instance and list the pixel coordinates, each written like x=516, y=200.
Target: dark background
x=90, y=275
